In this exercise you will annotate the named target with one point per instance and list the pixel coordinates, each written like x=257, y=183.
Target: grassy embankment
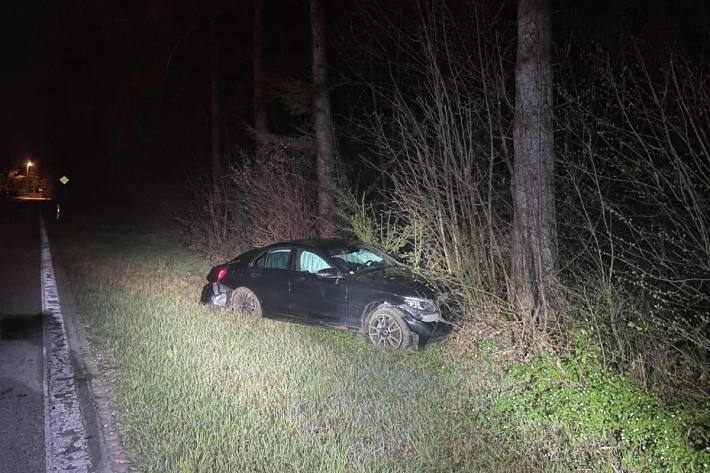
x=199, y=390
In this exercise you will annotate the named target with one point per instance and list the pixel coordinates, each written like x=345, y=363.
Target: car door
x=315, y=299
x=268, y=276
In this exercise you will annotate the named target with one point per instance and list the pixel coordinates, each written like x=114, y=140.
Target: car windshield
x=356, y=259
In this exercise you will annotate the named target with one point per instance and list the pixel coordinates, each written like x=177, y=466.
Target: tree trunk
x=325, y=143
x=214, y=111
x=261, y=124
x=534, y=256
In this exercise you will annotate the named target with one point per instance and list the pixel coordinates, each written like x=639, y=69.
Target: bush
x=258, y=203
x=596, y=408
x=634, y=218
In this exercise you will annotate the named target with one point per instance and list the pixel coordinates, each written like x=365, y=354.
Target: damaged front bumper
x=428, y=327
x=426, y=333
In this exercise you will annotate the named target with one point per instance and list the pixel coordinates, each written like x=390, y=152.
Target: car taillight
x=217, y=274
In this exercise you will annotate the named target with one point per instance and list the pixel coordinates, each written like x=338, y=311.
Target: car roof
x=313, y=243
x=317, y=243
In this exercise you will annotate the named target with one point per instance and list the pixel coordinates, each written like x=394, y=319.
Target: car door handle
x=255, y=275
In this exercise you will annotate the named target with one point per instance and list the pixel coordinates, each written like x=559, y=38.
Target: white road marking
x=65, y=435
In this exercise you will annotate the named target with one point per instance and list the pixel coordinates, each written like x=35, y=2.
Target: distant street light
x=27, y=174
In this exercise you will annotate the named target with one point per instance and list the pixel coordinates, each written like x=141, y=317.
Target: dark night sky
x=86, y=89
x=24, y=80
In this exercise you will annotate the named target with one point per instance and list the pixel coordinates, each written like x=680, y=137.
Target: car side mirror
x=329, y=273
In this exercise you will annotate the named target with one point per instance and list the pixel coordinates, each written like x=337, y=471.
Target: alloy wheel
x=384, y=331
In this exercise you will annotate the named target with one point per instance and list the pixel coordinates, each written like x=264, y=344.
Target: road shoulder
x=92, y=385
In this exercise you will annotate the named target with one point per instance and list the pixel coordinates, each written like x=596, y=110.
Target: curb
x=109, y=456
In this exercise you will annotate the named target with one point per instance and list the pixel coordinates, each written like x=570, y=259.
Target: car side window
x=309, y=262
x=279, y=258
x=261, y=261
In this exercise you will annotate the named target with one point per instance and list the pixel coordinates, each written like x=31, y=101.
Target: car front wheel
x=245, y=302
x=385, y=328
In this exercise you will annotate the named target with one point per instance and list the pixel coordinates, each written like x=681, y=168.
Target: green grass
x=206, y=390
x=202, y=390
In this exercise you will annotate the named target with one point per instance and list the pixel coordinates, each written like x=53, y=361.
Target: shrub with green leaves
x=592, y=405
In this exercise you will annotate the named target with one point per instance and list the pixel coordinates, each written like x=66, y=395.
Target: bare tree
x=534, y=253
x=214, y=110
x=440, y=133
x=323, y=124
x=261, y=125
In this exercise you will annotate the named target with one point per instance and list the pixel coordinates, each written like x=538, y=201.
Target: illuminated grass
x=201, y=390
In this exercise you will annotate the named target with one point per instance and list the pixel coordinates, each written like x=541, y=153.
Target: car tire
x=246, y=303
x=385, y=328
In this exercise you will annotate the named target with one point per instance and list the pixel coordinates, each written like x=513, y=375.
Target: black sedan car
x=336, y=283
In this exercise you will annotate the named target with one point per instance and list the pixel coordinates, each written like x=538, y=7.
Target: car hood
x=399, y=280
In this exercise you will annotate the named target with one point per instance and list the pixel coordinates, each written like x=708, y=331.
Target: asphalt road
x=22, y=443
